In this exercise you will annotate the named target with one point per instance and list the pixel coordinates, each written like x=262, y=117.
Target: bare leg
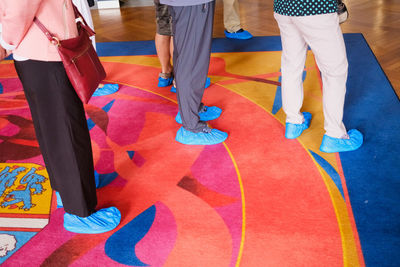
x=163, y=46
x=171, y=46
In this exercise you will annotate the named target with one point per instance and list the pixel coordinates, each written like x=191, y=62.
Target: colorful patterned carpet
x=256, y=200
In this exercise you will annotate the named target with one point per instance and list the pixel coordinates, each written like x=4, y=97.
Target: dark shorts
x=163, y=19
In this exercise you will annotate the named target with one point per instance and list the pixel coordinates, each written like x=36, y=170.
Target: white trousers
x=324, y=36
x=231, y=15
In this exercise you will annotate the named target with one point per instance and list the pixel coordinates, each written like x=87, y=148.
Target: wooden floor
x=379, y=21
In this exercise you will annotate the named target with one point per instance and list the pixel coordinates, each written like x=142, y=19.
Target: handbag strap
x=54, y=39
x=44, y=30
x=79, y=15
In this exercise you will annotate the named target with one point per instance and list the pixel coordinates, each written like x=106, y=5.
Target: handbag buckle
x=55, y=41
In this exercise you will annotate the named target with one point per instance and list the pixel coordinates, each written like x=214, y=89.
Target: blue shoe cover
x=107, y=89
x=165, y=82
x=211, y=137
x=240, y=35
x=101, y=221
x=208, y=83
x=59, y=201
x=331, y=144
x=209, y=114
x=295, y=130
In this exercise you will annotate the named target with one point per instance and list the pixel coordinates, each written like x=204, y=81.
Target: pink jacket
x=20, y=34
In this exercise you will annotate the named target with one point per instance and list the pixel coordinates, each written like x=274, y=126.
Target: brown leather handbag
x=79, y=58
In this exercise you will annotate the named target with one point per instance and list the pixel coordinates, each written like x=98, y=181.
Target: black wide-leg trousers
x=192, y=28
x=62, y=132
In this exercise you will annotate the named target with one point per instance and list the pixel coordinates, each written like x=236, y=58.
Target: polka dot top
x=297, y=8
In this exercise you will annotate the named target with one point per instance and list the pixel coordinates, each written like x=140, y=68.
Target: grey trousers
x=192, y=28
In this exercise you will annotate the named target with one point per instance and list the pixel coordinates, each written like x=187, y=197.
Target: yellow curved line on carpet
x=347, y=247
x=234, y=164
x=243, y=205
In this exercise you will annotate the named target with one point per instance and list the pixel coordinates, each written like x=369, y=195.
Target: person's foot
x=207, y=137
x=165, y=79
x=240, y=34
x=173, y=87
x=206, y=114
x=208, y=83
x=295, y=130
x=101, y=221
x=352, y=141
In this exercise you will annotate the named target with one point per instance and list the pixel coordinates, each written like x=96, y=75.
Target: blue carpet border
x=219, y=45
x=373, y=172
